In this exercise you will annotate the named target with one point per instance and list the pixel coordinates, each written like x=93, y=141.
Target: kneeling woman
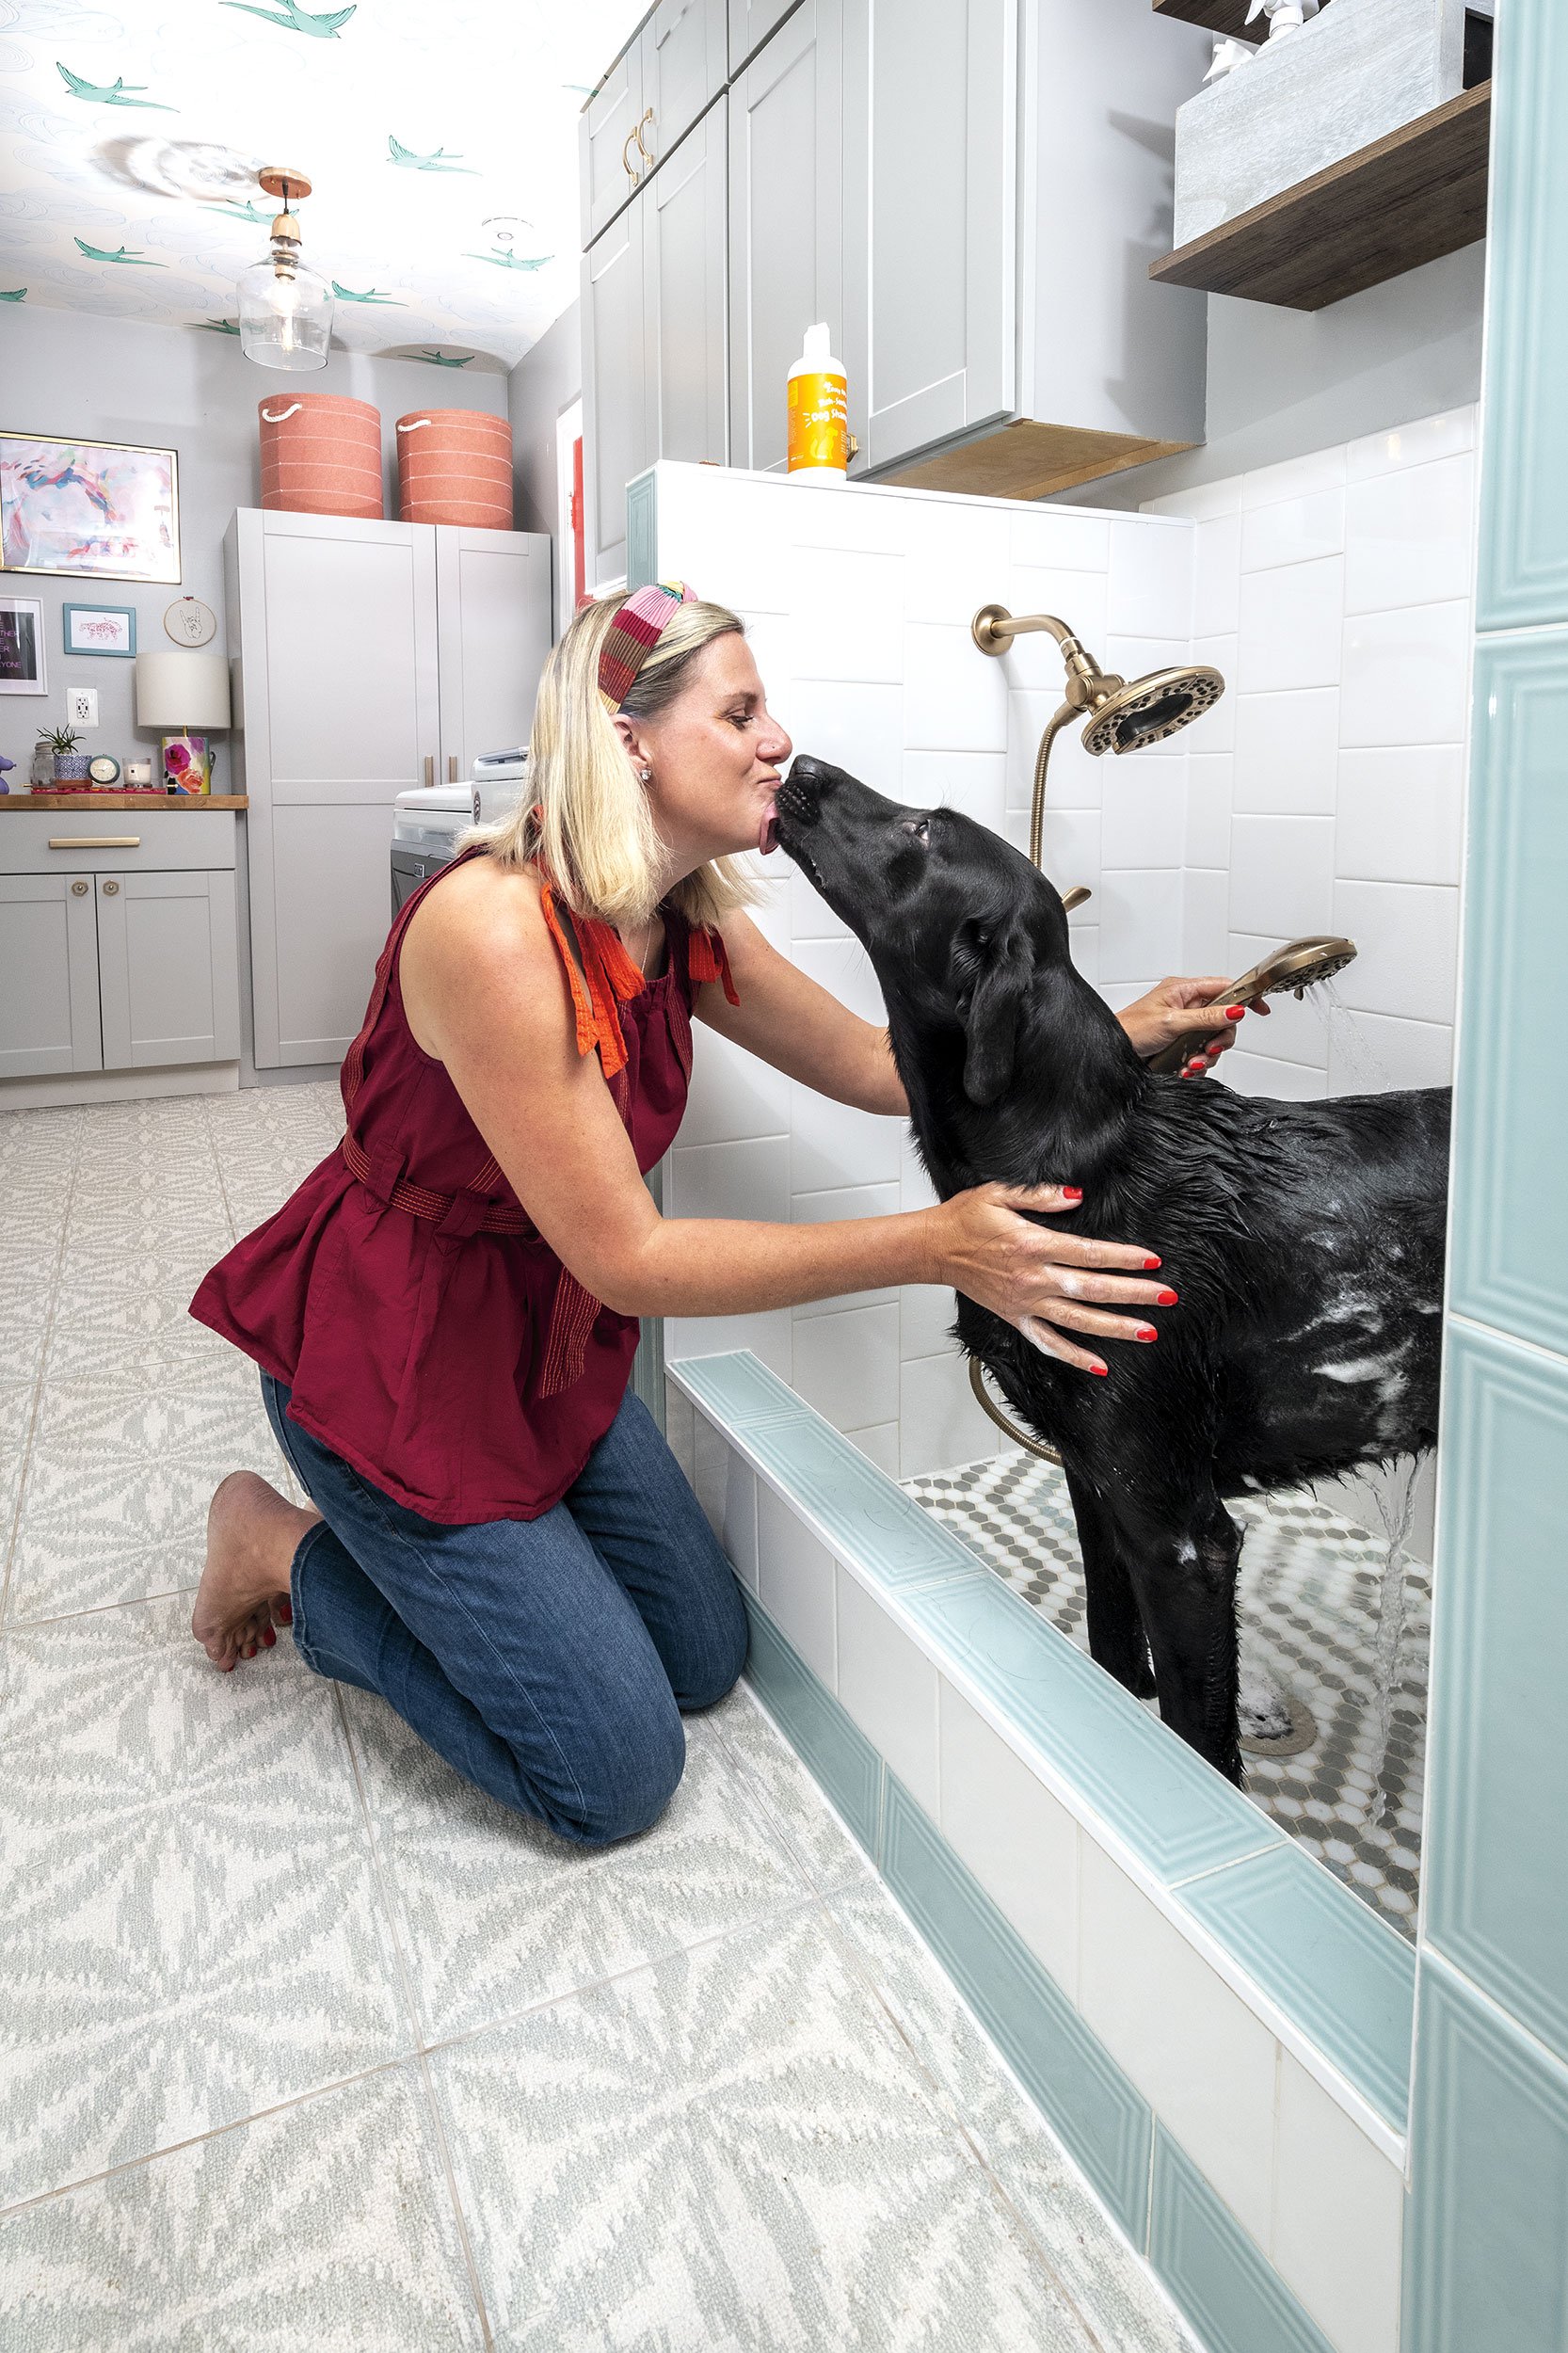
x=499, y=1541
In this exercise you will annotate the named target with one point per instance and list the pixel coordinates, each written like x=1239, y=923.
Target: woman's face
x=716, y=754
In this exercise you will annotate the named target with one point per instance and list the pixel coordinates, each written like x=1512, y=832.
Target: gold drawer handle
x=95, y=841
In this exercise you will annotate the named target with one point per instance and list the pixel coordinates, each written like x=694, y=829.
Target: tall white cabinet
x=372, y=657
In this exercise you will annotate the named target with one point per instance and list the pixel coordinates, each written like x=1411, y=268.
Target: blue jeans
x=547, y=1660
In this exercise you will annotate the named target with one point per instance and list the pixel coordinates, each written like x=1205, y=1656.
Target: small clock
x=103, y=770
x=190, y=622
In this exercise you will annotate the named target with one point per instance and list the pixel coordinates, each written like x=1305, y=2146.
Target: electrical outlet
x=81, y=705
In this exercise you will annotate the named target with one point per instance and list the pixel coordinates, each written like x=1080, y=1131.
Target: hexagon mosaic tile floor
x=305, y=2044
x=1311, y=1604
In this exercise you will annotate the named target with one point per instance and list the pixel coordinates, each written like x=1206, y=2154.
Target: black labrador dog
x=1305, y=1241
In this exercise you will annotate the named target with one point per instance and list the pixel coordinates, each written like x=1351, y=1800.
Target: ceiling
x=440, y=137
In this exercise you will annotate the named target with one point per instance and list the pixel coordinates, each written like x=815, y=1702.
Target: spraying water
x=1396, y=1498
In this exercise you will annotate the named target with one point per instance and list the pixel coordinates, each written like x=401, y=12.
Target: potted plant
x=70, y=766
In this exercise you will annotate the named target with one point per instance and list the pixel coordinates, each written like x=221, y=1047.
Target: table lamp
x=183, y=694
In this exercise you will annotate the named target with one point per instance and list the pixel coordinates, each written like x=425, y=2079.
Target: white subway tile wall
x=1324, y=792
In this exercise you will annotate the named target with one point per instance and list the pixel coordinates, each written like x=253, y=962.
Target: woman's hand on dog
x=1045, y=1283
x=1177, y=1008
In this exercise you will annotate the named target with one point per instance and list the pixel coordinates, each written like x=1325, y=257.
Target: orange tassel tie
x=708, y=961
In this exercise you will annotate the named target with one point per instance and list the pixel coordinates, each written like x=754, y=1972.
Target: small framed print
x=109, y=629
x=22, y=664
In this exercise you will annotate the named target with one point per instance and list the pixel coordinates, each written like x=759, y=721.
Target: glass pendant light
x=285, y=309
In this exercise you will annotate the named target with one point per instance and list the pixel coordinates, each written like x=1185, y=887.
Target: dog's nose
x=812, y=777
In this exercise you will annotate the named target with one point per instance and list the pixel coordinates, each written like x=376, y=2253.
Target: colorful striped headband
x=638, y=626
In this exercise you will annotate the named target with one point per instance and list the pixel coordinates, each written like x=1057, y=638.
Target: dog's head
x=958, y=925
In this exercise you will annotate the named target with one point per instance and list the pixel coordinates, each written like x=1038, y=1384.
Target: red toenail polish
x=1165, y=1299
x=268, y=1637
x=229, y=1666
x=1151, y=1262
x=285, y=1613
x=1147, y=1332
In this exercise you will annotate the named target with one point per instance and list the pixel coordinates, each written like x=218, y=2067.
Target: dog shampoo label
x=818, y=410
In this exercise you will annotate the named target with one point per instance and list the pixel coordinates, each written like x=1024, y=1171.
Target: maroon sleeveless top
x=429, y=1336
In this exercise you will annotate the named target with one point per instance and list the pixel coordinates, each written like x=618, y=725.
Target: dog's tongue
x=767, y=832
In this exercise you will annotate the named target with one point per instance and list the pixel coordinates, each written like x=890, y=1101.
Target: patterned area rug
x=1311, y=1589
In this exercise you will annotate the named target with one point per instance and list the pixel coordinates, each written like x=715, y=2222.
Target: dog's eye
x=919, y=827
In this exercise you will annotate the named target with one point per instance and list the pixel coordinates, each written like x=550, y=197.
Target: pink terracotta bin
x=321, y=454
x=454, y=466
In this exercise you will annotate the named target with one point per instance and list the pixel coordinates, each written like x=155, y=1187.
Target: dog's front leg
x=1117, y=1640
x=1183, y=1570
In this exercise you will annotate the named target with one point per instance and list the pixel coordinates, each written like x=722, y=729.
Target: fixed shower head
x=1144, y=711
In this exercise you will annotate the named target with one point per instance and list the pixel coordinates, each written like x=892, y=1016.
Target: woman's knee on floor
x=713, y=1665
x=623, y=1787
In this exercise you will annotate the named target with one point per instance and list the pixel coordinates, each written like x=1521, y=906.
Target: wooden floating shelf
x=1219, y=16
x=1028, y=460
x=1406, y=199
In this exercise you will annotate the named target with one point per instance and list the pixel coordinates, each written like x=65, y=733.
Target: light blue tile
x=1486, y=2252
x=1344, y=1977
x=1496, y=1857
x=737, y=1390
x=1232, y=2295
x=1172, y=1809
x=836, y=1750
x=1509, y=1235
x=863, y=1515
x=1524, y=508
x=1105, y=2123
x=641, y=528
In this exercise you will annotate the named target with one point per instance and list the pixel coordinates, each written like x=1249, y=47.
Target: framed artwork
x=92, y=510
x=109, y=629
x=22, y=664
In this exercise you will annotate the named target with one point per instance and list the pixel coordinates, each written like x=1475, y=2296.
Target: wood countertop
x=92, y=804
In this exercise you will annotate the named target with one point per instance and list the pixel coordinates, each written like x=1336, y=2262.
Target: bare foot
x=252, y=1535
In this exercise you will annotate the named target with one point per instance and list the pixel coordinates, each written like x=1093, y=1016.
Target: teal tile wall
x=1496, y=1855
x=1488, y=2220
x=1488, y=2247
x=831, y=1744
x=1235, y=2300
x=1510, y=1233
x=1343, y=1975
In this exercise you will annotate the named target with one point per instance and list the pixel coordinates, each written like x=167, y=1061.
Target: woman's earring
x=646, y=775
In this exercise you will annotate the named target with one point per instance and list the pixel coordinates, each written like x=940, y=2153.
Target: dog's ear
x=990, y=1012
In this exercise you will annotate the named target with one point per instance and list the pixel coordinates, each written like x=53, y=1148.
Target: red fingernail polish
x=1099, y=1369
x=1165, y=1299
x=1072, y=1192
x=1147, y=1332
x=1234, y=1013
x=1151, y=1262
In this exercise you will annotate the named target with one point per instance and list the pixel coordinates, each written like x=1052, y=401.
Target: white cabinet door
x=684, y=47
x=614, y=389
x=167, y=969
x=339, y=703
x=609, y=163
x=931, y=208
x=48, y=975
x=750, y=23
x=683, y=304
x=786, y=220
x=493, y=626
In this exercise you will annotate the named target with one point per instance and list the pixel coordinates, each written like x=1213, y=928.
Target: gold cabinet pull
x=78, y=890
x=110, y=889
x=452, y=767
x=626, y=163
x=95, y=841
x=429, y=770
x=645, y=152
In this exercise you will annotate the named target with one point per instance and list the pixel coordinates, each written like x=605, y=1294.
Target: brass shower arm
x=994, y=629
x=993, y=625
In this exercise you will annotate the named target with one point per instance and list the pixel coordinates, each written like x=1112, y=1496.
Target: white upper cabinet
x=683, y=212
x=750, y=23
x=611, y=166
x=493, y=625
x=930, y=210
x=685, y=49
x=786, y=227
x=615, y=444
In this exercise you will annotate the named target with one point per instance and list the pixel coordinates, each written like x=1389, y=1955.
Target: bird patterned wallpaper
x=440, y=136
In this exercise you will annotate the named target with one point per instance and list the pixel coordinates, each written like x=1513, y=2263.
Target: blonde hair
x=584, y=815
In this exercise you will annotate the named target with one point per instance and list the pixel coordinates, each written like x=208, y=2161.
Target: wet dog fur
x=1305, y=1241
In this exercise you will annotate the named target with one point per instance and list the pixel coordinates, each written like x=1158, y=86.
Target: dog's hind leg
x=1117, y=1640
x=1184, y=1575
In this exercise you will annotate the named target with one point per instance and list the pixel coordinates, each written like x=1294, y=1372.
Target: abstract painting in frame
x=90, y=510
